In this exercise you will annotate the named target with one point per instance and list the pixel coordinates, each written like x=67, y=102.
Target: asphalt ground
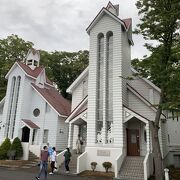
x=30, y=174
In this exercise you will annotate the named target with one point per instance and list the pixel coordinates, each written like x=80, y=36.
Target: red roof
x=30, y=124
x=55, y=99
x=127, y=22
x=34, y=73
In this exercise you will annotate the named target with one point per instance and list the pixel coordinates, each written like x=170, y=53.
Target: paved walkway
x=20, y=174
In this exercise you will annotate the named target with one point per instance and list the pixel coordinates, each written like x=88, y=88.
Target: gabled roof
x=142, y=98
x=61, y=105
x=81, y=107
x=135, y=92
x=147, y=81
x=29, y=72
x=78, y=80
x=30, y=124
x=100, y=14
x=127, y=22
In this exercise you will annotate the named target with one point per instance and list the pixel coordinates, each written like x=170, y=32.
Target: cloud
x=60, y=25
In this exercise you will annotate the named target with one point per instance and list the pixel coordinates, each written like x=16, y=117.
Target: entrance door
x=133, y=142
x=25, y=134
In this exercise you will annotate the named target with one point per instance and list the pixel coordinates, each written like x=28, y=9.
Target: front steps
x=72, y=165
x=33, y=160
x=132, y=168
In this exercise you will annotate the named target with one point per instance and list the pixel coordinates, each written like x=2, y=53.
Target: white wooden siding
x=143, y=88
x=105, y=25
x=77, y=94
x=140, y=107
x=173, y=131
x=61, y=134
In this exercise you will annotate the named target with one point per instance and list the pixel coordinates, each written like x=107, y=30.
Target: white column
x=30, y=136
x=147, y=137
x=166, y=174
x=70, y=136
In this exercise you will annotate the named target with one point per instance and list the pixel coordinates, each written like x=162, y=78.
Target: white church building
x=33, y=109
x=110, y=112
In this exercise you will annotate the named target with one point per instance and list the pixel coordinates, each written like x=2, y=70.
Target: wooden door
x=133, y=142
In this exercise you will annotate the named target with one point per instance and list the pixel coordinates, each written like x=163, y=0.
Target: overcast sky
x=60, y=24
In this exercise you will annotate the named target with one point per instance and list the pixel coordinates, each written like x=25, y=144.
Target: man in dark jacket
x=67, y=156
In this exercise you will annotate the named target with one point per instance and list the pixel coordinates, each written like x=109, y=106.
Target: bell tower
x=33, y=58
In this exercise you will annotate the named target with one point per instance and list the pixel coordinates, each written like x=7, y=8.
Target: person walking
x=44, y=163
x=53, y=160
x=67, y=156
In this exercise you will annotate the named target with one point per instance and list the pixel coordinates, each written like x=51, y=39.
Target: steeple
x=33, y=58
x=113, y=8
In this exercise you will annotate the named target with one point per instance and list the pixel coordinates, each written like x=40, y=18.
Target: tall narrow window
x=11, y=99
x=109, y=88
x=100, y=69
x=16, y=96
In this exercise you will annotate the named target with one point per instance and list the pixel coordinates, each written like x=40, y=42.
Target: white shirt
x=53, y=156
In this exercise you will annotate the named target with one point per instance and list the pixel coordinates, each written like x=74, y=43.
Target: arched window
x=11, y=99
x=109, y=87
x=16, y=97
x=100, y=74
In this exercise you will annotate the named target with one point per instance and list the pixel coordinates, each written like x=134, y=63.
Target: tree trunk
x=155, y=142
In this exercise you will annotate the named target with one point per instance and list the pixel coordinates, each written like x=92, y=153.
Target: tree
x=4, y=148
x=12, y=48
x=160, y=22
x=17, y=146
x=65, y=67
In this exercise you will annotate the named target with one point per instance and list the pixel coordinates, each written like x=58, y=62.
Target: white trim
x=16, y=63
x=2, y=100
x=101, y=13
x=48, y=102
x=147, y=81
x=20, y=68
x=78, y=80
x=133, y=114
x=76, y=109
x=80, y=116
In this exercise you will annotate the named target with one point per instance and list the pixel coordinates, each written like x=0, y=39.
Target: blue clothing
x=43, y=169
x=50, y=151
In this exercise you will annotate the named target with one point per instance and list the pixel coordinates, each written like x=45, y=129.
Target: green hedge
x=17, y=146
x=4, y=148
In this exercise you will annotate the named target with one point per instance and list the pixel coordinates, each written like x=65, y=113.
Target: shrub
x=107, y=165
x=4, y=148
x=17, y=146
x=93, y=165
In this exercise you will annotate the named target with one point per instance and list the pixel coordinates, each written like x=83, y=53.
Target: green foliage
x=12, y=49
x=4, y=148
x=61, y=67
x=17, y=146
x=93, y=165
x=65, y=67
x=107, y=165
x=160, y=22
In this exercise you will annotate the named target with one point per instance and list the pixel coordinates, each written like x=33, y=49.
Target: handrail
x=60, y=158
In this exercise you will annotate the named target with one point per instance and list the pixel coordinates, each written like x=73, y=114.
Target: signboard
x=103, y=152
